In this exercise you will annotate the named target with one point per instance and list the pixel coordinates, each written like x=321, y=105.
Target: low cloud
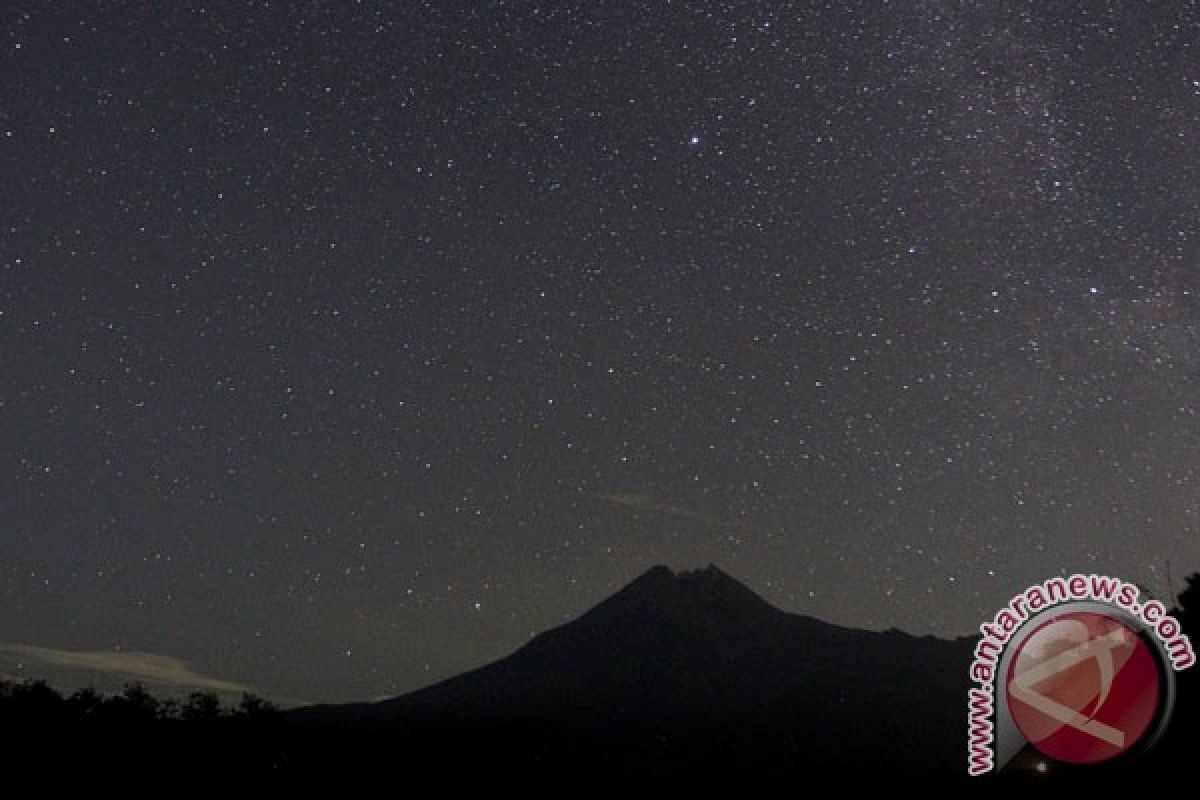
x=150, y=668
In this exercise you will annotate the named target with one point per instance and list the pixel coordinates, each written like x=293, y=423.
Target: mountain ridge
x=693, y=662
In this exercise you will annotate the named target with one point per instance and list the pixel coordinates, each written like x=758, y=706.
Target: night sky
x=343, y=346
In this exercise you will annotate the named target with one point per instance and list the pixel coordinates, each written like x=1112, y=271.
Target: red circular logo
x=1083, y=687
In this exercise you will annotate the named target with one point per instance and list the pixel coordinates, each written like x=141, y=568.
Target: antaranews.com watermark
x=1085, y=670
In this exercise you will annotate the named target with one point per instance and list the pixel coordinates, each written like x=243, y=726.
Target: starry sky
x=344, y=346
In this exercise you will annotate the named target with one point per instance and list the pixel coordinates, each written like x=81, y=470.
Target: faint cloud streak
x=149, y=667
x=660, y=505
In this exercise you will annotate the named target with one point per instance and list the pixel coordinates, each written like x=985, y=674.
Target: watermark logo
x=1078, y=668
x=1083, y=687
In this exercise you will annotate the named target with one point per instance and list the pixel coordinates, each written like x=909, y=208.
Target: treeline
x=36, y=699
x=135, y=741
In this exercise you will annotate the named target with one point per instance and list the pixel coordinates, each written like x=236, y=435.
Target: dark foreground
x=679, y=685
x=52, y=745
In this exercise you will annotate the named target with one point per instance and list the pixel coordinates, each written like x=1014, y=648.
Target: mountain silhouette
x=681, y=670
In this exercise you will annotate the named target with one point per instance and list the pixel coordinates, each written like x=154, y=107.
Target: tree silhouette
x=169, y=709
x=31, y=701
x=85, y=702
x=254, y=706
x=1189, y=604
x=139, y=704
x=201, y=706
